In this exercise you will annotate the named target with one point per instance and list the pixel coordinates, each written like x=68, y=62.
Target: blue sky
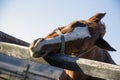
x=31, y=19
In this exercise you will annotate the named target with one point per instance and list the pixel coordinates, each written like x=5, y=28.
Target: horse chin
x=38, y=54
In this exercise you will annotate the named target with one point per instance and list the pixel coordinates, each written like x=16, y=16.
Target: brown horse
x=82, y=39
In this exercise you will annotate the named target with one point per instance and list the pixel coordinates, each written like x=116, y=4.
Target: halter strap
x=58, y=31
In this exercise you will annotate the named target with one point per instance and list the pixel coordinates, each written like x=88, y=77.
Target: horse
x=82, y=39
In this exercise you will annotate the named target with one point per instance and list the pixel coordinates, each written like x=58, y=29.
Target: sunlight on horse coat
x=83, y=39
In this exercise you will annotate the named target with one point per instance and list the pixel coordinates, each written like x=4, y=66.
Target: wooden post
x=26, y=72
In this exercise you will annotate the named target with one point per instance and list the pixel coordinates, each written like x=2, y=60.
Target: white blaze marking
x=77, y=33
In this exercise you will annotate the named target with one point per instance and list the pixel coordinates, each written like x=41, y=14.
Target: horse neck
x=88, y=54
x=98, y=54
x=94, y=53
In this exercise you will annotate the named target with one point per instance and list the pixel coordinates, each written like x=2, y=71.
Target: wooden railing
x=85, y=66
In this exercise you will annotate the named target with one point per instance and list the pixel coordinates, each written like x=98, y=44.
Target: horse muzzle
x=35, y=49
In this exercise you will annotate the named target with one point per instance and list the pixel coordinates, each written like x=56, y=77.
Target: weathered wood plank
x=18, y=51
x=89, y=67
x=10, y=39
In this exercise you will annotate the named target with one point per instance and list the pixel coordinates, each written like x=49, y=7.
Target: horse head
x=78, y=36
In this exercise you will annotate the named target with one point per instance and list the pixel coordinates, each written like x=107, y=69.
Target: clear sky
x=31, y=19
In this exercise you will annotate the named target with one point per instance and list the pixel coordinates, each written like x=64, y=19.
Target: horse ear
x=97, y=17
x=104, y=45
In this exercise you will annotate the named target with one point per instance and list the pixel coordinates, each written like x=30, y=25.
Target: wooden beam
x=89, y=67
x=10, y=39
